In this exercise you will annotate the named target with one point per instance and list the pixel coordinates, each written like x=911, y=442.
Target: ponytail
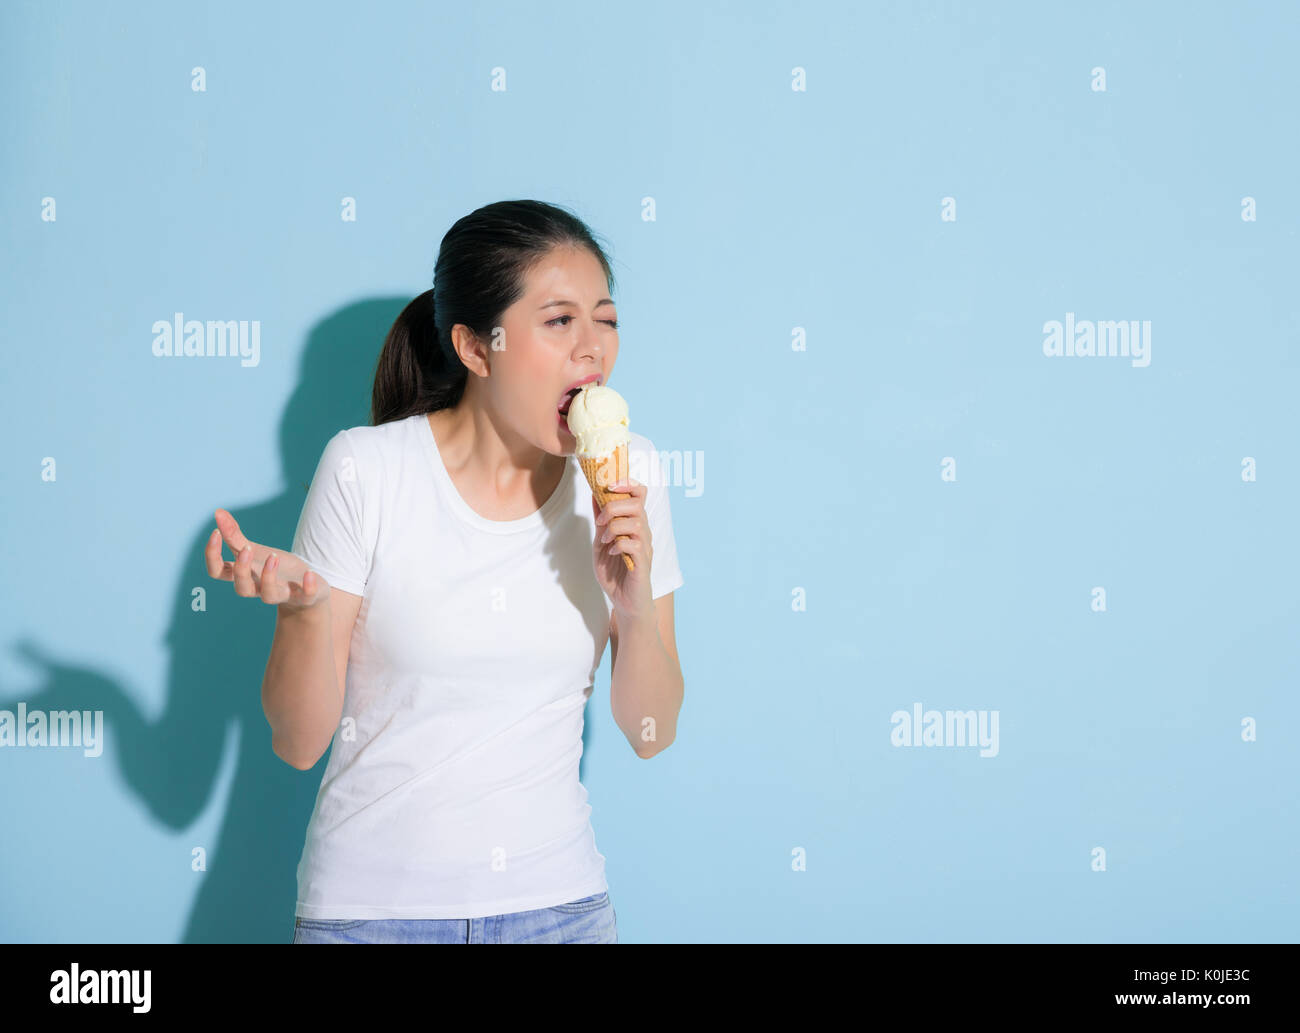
x=418, y=370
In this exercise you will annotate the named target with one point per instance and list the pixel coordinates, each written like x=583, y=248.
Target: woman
x=453, y=573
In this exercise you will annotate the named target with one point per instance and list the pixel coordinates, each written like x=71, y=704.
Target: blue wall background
x=783, y=811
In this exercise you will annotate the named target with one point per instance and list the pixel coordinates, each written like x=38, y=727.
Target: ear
x=470, y=350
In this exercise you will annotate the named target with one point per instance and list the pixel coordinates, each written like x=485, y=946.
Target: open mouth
x=568, y=401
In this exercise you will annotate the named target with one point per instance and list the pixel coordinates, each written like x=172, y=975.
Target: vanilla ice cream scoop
x=597, y=417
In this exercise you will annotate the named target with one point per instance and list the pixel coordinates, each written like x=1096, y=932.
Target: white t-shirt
x=452, y=785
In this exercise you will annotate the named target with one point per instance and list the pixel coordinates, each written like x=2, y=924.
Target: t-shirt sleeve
x=665, y=573
x=331, y=535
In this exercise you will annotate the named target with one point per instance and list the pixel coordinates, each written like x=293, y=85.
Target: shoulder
x=639, y=442
x=641, y=455
x=390, y=438
x=372, y=450
x=393, y=434
x=645, y=464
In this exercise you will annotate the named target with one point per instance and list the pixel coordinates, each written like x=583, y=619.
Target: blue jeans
x=589, y=920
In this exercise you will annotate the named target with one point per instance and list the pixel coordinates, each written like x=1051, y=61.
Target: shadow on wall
x=218, y=657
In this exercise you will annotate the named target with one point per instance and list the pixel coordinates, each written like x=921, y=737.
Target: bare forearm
x=646, y=687
x=300, y=693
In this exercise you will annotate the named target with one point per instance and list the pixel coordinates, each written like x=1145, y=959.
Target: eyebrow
x=566, y=301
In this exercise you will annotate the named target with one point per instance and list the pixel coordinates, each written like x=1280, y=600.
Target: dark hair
x=480, y=272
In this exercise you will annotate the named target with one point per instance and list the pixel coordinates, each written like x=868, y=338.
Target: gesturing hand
x=284, y=580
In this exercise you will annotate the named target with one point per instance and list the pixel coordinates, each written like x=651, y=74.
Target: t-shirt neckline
x=467, y=514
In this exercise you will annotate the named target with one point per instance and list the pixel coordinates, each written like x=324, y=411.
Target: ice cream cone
x=597, y=418
x=601, y=471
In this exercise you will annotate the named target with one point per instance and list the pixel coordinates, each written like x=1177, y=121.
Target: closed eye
x=552, y=322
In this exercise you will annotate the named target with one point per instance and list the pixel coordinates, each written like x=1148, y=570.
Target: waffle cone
x=604, y=470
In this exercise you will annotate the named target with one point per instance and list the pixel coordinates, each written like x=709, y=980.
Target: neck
x=479, y=446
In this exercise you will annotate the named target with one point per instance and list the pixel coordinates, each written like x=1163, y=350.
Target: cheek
x=529, y=368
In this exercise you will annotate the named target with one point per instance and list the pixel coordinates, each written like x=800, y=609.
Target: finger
x=628, y=546
x=634, y=489
x=638, y=542
x=620, y=526
x=299, y=594
x=272, y=590
x=620, y=507
x=244, y=584
x=624, y=537
x=218, y=568
x=230, y=531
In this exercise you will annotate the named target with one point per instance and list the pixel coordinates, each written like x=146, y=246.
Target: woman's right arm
x=306, y=673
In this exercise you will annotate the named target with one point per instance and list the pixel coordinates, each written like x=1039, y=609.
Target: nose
x=589, y=346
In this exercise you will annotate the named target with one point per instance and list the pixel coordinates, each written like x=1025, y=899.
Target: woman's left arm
x=646, y=686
